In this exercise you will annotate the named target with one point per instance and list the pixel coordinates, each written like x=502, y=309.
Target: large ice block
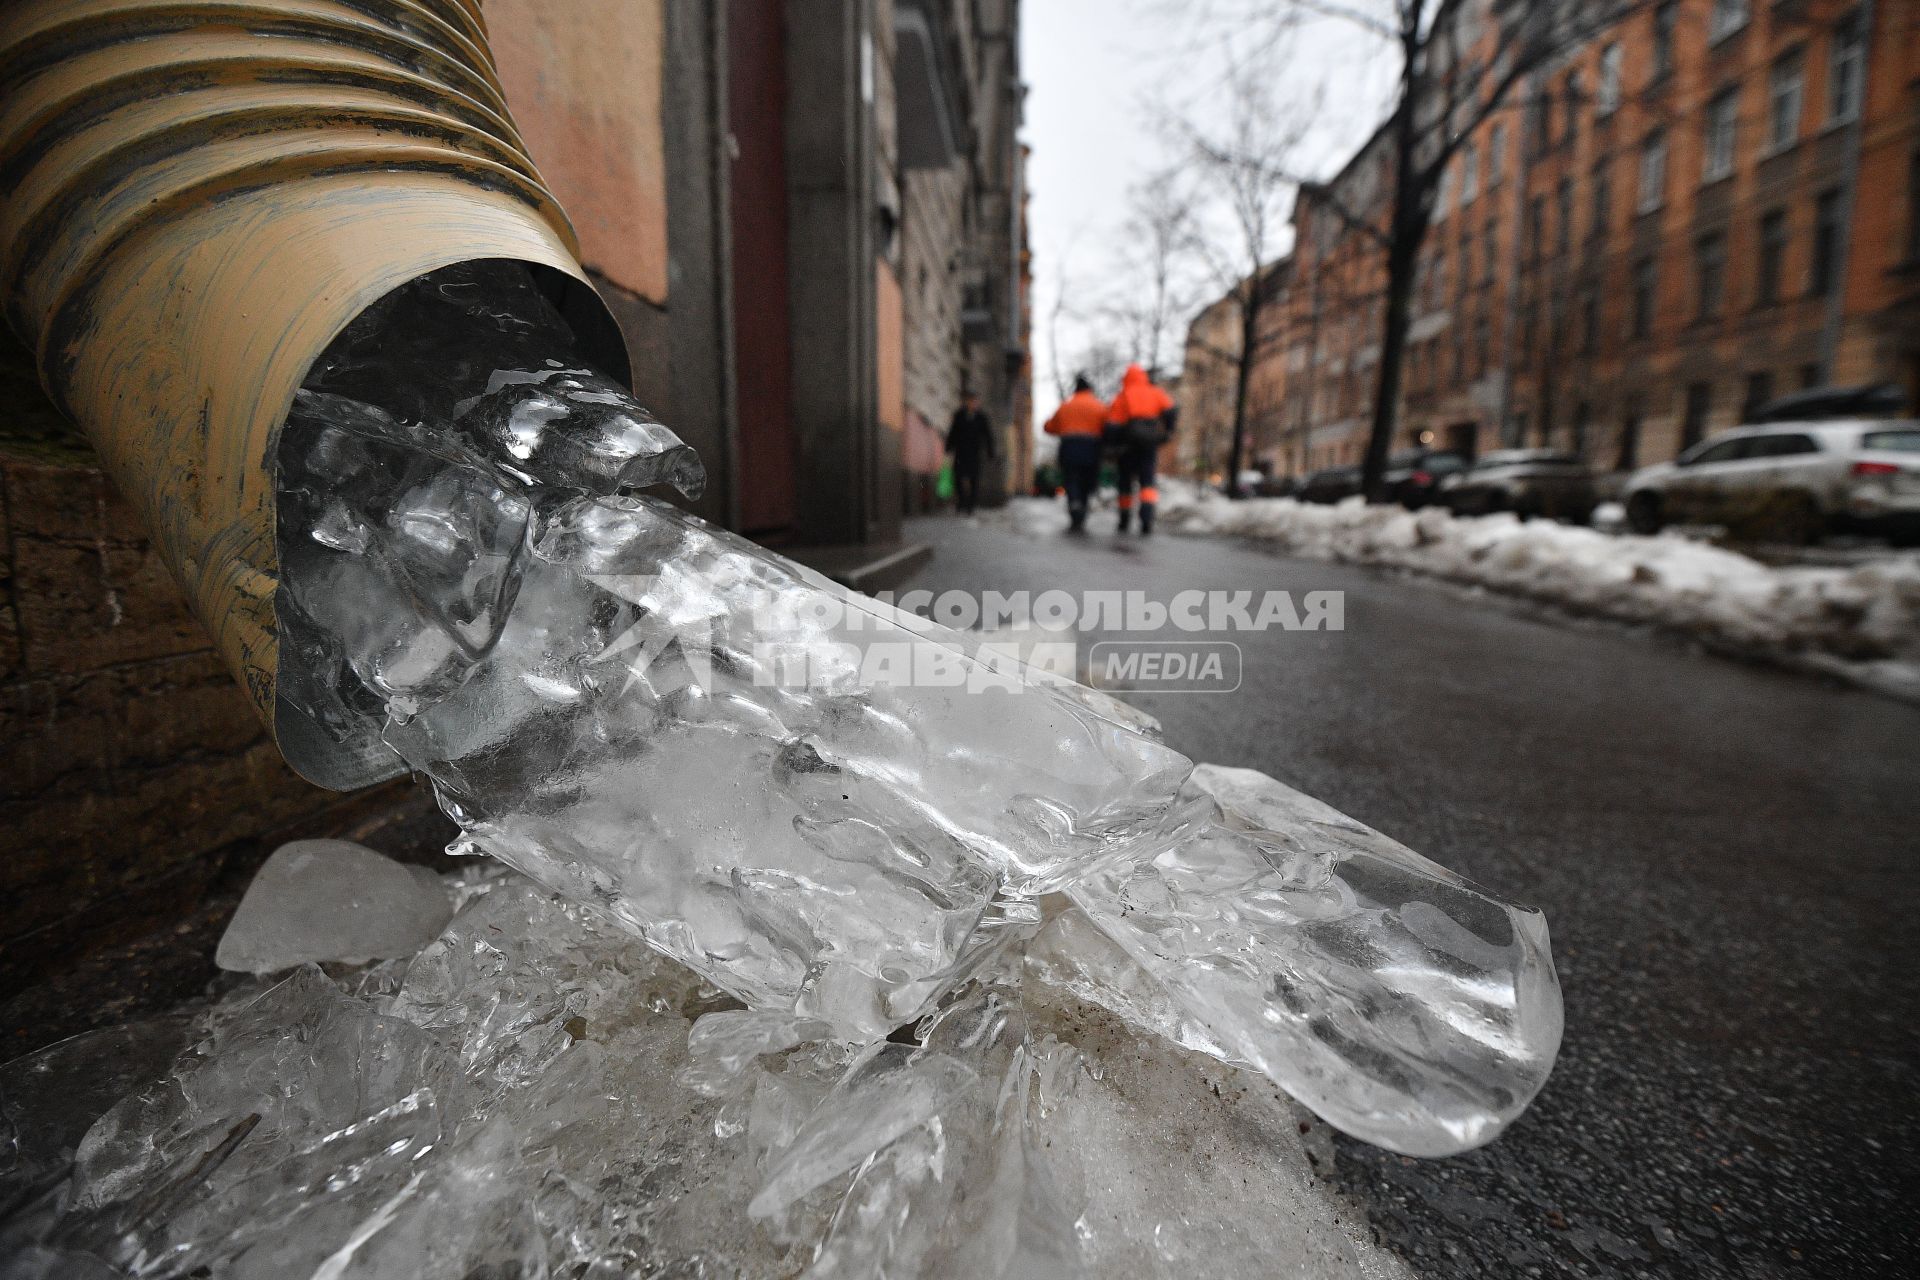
x=833, y=811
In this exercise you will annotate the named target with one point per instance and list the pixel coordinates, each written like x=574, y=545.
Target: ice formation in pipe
x=653, y=716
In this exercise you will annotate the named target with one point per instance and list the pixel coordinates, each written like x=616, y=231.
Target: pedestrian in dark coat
x=969, y=437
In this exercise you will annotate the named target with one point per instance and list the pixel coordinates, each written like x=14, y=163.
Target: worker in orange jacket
x=1140, y=420
x=1080, y=423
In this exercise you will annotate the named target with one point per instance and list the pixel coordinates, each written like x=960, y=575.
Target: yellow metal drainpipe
x=195, y=198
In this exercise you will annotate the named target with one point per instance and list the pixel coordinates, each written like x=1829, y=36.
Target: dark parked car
x=1274, y=487
x=1414, y=476
x=1331, y=484
x=1528, y=482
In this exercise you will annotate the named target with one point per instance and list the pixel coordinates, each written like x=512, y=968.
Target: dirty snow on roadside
x=1860, y=622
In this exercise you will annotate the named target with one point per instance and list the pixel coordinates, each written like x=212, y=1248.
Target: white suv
x=1789, y=480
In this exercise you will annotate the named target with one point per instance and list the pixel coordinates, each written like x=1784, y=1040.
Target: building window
x=1602, y=212
x=1644, y=281
x=1576, y=94
x=1773, y=257
x=1825, y=274
x=1590, y=322
x=1716, y=160
x=1490, y=250
x=1759, y=392
x=1482, y=343
x=1563, y=214
x=1606, y=100
x=1786, y=97
x=1693, y=425
x=1812, y=375
x=1710, y=263
x=1536, y=227
x=1466, y=260
x=1539, y=123
x=1665, y=17
x=1496, y=154
x=1653, y=172
x=1469, y=175
x=1846, y=68
x=1728, y=17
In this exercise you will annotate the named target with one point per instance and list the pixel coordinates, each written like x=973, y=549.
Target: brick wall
x=136, y=785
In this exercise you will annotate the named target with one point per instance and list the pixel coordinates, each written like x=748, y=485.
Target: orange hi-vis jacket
x=1139, y=398
x=1081, y=415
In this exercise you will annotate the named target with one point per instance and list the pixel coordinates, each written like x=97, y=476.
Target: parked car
x=1528, y=482
x=1789, y=481
x=1330, y=484
x=1414, y=476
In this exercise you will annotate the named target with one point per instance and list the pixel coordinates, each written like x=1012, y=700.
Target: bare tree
x=1158, y=289
x=1452, y=78
x=1068, y=294
x=1243, y=166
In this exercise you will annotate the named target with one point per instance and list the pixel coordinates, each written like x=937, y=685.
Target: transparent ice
x=806, y=797
x=332, y=900
x=836, y=943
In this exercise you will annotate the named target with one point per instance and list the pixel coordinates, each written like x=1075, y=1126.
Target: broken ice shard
x=1399, y=1002
x=332, y=900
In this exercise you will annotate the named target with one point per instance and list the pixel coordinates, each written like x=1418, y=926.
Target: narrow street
x=1725, y=855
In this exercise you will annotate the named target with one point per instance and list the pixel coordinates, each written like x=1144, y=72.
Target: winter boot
x=1146, y=519
x=1126, y=520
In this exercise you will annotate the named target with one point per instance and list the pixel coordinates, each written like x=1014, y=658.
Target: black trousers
x=1138, y=463
x=1079, y=473
x=966, y=482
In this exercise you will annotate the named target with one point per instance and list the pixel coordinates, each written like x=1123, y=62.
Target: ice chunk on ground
x=544, y=1095
x=832, y=811
x=332, y=900
x=827, y=844
x=1396, y=1000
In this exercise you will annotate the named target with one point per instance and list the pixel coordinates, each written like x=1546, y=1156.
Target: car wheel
x=1643, y=513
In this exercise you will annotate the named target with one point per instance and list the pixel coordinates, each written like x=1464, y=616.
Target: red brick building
x=1708, y=204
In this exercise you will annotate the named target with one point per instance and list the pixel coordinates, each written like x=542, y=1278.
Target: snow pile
x=536, y=1093
x=1862, y=621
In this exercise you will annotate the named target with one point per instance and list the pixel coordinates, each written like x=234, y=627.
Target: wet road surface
x=1728, y=858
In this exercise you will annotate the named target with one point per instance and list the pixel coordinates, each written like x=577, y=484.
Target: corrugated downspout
x=195, y=198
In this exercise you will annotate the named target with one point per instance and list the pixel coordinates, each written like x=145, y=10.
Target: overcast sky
x=1102, y=77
